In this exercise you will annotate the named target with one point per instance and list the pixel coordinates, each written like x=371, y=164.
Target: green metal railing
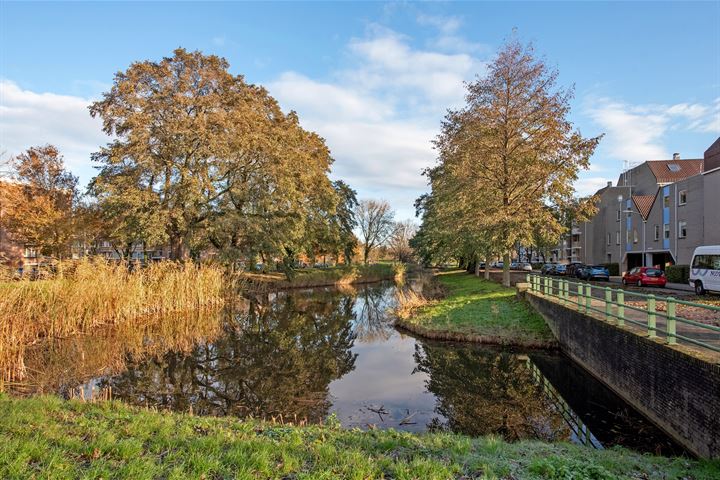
x=614, y=309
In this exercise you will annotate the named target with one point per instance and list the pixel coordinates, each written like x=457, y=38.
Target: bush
x=678, y=273
x=537, y=265
x=613, y=268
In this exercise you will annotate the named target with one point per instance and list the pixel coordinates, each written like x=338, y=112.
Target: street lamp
x=620, y=199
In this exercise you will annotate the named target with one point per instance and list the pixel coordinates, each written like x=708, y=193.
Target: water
x=304, y=355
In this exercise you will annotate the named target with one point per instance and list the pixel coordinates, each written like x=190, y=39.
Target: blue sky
x=375, y=78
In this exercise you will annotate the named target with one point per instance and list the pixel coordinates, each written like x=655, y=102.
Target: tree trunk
x=506, y=269
x=487, y=267
x=178, y=248
x=477, y=266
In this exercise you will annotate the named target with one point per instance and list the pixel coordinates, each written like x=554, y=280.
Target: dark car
x=594, y=272
x=547, y=269
x=573, y=268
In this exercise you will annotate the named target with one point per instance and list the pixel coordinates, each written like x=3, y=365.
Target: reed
x=86, y=294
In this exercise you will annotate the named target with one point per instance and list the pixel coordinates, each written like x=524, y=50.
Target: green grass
x=475, y=306
x=46, y=437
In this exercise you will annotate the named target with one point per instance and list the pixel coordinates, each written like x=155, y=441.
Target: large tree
x=40, y=201
x=399, y=240
x=202, y=158
x=375, y=220
x=510, y=152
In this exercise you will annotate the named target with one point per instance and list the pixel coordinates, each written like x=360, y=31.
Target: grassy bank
x=318, y=277
x=84, y=295
x=474, y=309
x=49, y=438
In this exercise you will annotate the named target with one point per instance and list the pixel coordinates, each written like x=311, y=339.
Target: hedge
x=613, y=268
x=677, y=273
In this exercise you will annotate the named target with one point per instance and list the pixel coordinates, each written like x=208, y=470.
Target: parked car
x=560, y=269
x=499, y=264
x=482, y=264
x=645, y=276
x=593, y=272
x=524, y=266
x=513, y=265
x=705, y=269
x=547, y=269
x=573, y=268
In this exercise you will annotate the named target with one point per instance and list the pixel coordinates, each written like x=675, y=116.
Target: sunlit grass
x=476, y=306
x=45, y=437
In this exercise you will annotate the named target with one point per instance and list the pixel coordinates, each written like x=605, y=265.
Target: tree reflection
x=371, y=320
x=276, y=358
x=481, y=391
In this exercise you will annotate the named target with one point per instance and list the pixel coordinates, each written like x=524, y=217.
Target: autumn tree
x=375, y=221
x=203, y=159
x=511, y=150
x=39, y=201
x=344, y=221
x=399, y=240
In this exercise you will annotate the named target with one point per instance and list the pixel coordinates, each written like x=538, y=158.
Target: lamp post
x=620, y=199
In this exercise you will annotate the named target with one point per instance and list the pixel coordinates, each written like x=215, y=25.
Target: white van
x=705, y=269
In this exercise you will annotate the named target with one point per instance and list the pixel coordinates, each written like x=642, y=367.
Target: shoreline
x=447, y=335
x=474, y=310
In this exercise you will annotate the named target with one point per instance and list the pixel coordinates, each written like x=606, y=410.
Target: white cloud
x=380, y=115
x=638, y=132
x=589, y=185
x=29, y=119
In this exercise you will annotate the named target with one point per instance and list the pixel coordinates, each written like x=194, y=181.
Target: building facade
x=656, y=213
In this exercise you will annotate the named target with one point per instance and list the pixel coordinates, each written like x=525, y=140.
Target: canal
x=306, y=355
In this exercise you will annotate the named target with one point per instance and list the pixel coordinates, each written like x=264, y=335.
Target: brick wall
x=679, y=393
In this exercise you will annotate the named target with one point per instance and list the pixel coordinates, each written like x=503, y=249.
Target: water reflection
x=276, y=358
x=306, y=354
x=483, y=391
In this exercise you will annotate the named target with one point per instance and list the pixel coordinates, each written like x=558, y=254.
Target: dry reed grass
x=83, y=295
x=422, y=291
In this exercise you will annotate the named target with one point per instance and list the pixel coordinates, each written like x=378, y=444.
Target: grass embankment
x=318, y=277
x=474, y=309
x=84, y=295
x=45, y=437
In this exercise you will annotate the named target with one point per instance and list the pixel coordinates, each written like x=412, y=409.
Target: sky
x=376, y=78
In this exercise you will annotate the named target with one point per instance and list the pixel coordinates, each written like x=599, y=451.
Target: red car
x=645, y=276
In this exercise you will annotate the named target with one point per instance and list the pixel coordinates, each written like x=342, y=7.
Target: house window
x=609, y=239
x=635, y=236
x=666, y=201
x=30, y=252
x=617, y=237
x=657, y=232
x=682, y=229
x=618, y=216
x=666, y=231
x=682, y=197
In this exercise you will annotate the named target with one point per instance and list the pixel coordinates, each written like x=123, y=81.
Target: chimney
x=609, y=184
x=676, y=156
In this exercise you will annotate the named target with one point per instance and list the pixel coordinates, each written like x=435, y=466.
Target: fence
x=612, y=306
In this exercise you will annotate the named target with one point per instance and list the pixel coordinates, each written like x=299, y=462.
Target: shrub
x=613, y=268
x=678, y=273
x=537, y=265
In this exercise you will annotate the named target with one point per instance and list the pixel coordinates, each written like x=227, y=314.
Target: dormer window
x=673, y=167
